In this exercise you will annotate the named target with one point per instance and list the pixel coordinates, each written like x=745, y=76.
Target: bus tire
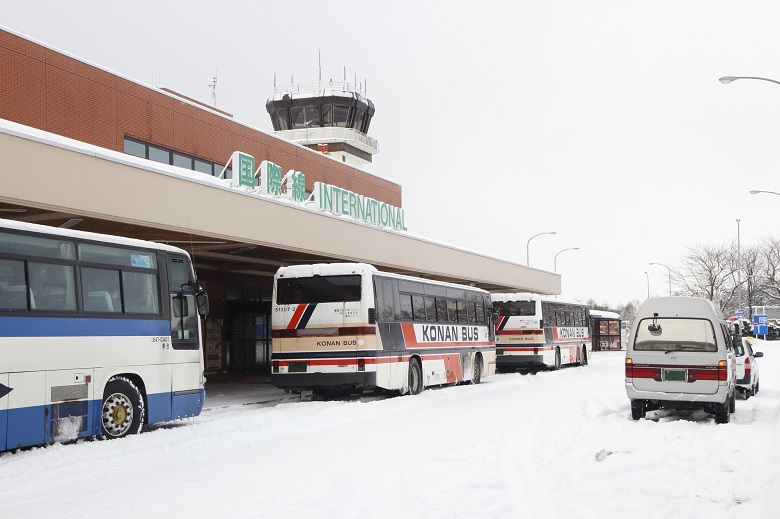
x=584, y=360
x=123, y=409
x=476, y=378
x=415, y=377
x=557, y=364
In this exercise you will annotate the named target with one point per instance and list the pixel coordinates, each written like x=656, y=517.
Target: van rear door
x=677, y=355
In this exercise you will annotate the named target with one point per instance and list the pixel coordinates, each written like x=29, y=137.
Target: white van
x=680, y=355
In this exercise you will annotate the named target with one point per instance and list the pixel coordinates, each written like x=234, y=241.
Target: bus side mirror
x=372, y=316
x=494, y=317
x=202, y=300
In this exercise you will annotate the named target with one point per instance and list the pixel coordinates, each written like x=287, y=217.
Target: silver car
x=747, y=368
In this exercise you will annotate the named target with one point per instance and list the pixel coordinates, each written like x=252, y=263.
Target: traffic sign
x=760, y=325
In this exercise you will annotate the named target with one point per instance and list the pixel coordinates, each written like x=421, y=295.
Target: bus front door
x=4, y=390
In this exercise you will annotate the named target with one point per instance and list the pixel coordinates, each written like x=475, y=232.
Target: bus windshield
x=512, y=308
x=319, y=289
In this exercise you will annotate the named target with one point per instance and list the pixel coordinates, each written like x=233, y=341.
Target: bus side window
x=441, y=310
x=13, y=287
x=406, y=307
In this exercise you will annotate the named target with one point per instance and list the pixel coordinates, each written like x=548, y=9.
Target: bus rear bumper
x=311, y=381
x=508, y=362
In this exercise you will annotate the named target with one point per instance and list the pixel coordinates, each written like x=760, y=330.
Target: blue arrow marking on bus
x=4, y=390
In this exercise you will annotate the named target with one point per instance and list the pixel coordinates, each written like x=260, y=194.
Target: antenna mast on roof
x=213, y=87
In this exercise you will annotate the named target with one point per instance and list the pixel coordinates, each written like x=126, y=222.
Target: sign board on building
x=760, y=324
x=341, y=201
x=325, y=197
x=243, y=169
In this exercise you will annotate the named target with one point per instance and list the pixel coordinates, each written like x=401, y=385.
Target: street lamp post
x=757, y=191
x=728, y=79
x=739, y=271
x=648, y=284
x=555, y=259
x=670, y=276
x=527, y=261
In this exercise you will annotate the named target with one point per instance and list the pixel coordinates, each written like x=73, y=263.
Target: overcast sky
x=602, y=120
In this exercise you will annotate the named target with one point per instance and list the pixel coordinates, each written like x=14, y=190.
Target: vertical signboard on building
x=270, y=178
x=243, y=170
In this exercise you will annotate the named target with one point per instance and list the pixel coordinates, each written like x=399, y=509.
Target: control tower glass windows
x=297, y=116
x=340, y=115
x=313, y=116
x=282, y=119
x=327, y=115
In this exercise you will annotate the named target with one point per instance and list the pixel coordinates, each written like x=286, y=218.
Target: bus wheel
x=557, y=364
x=415, y=377
x=123, y=409
x=476, y=378
x=584, y=361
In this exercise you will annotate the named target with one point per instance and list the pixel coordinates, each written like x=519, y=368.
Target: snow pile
x=554, y=445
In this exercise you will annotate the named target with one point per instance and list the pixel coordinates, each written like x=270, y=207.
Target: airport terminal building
x=86, y=148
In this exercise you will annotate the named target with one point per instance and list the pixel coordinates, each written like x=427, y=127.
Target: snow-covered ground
x=554, y=445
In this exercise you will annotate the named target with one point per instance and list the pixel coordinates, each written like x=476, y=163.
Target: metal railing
x=340, y=86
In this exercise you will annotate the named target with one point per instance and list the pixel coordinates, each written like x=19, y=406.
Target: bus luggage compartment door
x=4, y=390
x=70, y=401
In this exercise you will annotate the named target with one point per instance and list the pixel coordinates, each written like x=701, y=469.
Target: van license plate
x=675, y=375
x=297, y=367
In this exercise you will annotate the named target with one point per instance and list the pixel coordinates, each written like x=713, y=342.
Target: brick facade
x=45, y=89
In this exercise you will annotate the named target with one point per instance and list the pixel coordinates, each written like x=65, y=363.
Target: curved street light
x=670, y=276
x=757, y=191
x=527, y=261
x=728, y=79
x=555, y=259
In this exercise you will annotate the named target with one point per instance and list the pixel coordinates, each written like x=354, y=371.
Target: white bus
x=536, y=333
x=348, y=327
x=99, y=335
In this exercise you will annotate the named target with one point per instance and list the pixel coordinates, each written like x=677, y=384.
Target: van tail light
x=633, y=371
x=706, y=374
x=747, y=367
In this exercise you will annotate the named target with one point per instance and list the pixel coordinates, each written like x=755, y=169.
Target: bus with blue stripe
x=99, y=335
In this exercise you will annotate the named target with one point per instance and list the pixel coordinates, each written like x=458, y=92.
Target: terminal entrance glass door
x=249, y=337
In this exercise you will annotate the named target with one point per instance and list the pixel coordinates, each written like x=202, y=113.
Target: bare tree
x=708, y=271
x=770, y=282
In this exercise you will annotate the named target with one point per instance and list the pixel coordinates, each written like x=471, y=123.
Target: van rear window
x=675, y=334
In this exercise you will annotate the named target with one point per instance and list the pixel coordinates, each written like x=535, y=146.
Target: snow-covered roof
x=604, y=314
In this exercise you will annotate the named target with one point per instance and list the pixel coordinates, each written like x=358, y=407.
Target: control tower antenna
x=213, y=87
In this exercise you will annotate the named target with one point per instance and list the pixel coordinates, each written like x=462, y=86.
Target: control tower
x=328, y=116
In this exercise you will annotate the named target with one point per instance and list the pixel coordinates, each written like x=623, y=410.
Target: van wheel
x=638, y=409
x=755, y=390
x=722, y=414
x=733, y=402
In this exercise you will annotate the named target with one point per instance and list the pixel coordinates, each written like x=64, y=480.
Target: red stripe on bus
x=296, y=316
